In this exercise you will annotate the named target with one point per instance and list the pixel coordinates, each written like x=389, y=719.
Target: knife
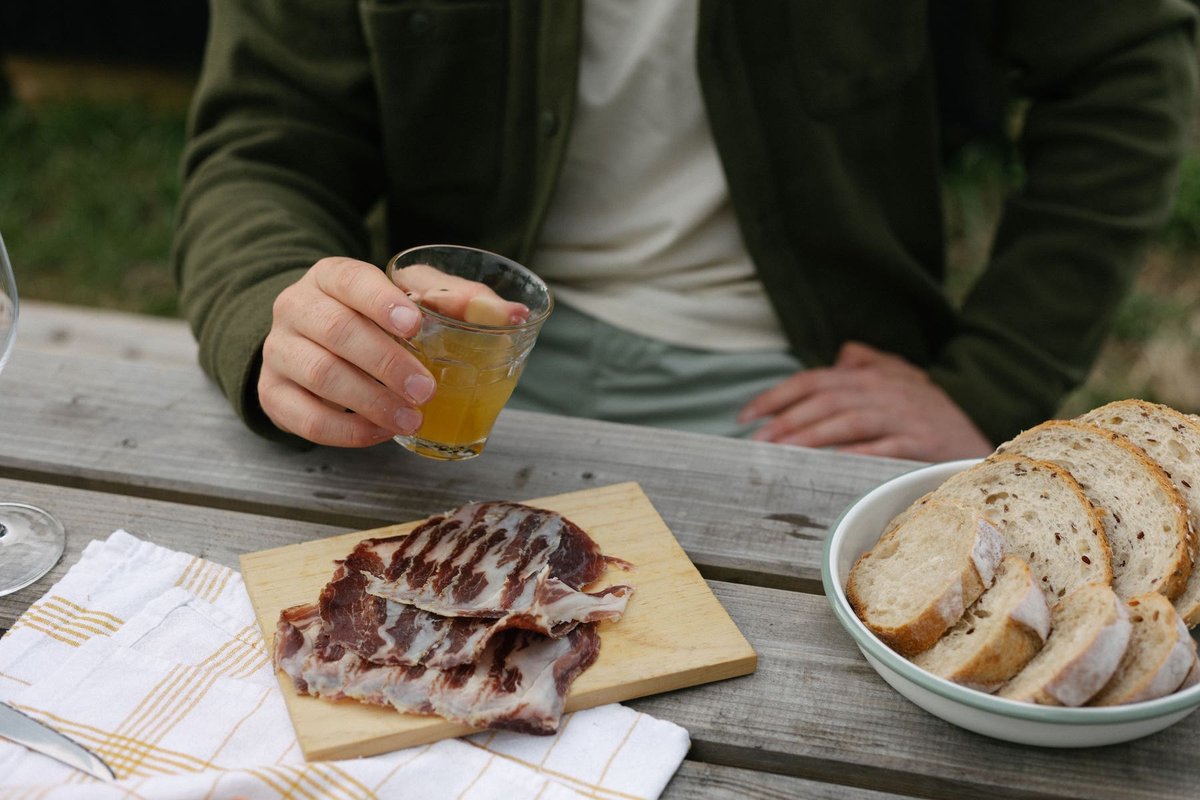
x=27, y=731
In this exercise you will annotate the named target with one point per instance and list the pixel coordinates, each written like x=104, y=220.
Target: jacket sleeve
x=1111, y=89
x=281, y=168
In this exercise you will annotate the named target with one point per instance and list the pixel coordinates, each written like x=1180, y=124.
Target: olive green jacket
x=829, y=123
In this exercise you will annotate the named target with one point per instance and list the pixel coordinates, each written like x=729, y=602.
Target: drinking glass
x=476, y=366
x=31, y=540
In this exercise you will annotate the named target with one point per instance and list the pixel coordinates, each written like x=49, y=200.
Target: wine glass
x=31, y=541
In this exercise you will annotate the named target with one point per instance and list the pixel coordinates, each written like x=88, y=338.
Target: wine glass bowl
x=31, y=540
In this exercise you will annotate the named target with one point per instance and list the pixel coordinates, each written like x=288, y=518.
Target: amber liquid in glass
x=475, y=376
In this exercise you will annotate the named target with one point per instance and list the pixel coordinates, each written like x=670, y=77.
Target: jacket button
x=419, y=22
x=549, y=122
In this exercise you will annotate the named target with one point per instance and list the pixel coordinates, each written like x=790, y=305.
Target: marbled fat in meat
x=519, y=683
x=496, y=560
x=478, y=616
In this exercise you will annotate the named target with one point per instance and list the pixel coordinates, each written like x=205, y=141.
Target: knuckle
x=856, y=427
x=337, y=324
x=381, y=405
x=393, y=366
x=284, y=303
x=311, y=425
x=317, y=371
x=346, y=278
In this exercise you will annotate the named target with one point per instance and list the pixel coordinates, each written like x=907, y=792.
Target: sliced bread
x=1144, y=515
x=920, y=576
x=1089, y=633
x=1160, y=654
x=997, y=635
x=1172, y=439
x=1043, y=515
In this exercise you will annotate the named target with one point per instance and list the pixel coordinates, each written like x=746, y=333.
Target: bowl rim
x=867, y=641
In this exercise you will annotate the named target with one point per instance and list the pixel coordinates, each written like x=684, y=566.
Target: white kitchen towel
x=152, y=658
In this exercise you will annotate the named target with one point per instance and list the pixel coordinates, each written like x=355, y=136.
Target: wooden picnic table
x=106, y=421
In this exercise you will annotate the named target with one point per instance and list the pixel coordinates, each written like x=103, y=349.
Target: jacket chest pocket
x=850, y=54
x=440, y=74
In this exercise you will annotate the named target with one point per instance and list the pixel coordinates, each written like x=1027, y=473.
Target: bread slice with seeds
x=1145, y=517
x=1172, y=439
x=921, y=575
x=1159, y=656
x=997, y=635
x=1089, y=632
x=1043, y=515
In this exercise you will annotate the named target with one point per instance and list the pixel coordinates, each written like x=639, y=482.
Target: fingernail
x=404, y=318
x=407, y=420
x=419, y=388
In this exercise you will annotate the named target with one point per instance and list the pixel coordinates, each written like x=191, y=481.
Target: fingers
x=345, y=333
x=331, y=350
x=828, y=418
x=884, y=406
x=457, y=297
x=322, y=373
x=789, y=392
x=366, y=289
x=300, y=412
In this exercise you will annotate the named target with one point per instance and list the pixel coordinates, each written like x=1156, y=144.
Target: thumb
x=857, y=354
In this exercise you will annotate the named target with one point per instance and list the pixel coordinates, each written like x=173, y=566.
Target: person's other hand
x=868, y=402
x=332, y=373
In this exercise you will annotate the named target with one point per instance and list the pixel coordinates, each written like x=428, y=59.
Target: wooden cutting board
x=674, y=633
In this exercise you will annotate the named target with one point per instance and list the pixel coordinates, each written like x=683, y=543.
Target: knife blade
x=25, y=730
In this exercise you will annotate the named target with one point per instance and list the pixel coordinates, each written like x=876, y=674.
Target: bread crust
x=1070, y=670
x=1128, y=417
x=937, y=614
x=984, y=652
x=1159, y=657
x=1132, y=512
x=1082, y=542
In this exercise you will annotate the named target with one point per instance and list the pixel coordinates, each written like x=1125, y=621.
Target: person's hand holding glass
x=31, y=541
x=480, y=316
x=427, y=354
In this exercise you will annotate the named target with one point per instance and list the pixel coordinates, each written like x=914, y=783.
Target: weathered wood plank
x=697, y=780
x=744, y=511
x=814, y=710
x=59, y=328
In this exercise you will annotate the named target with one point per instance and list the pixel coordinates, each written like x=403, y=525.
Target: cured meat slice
x=496, y=560
x=519, y=683
x=392, y=633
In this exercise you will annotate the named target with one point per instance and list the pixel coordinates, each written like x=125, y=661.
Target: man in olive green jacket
x=828, y=121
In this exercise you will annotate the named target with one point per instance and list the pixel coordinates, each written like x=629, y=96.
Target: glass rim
x=533, y=321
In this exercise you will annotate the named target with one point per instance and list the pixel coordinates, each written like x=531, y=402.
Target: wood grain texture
x=133, y=428
x=674, y=632
x=103, y=333
x=107, y=438
x=701, y=781
x=816, y=709
x=813, y=710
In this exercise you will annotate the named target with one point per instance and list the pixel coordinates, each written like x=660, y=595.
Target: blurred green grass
x=88, y=188
x=87, y=191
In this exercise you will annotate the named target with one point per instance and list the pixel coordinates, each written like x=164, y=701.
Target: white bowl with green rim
x=856, y=531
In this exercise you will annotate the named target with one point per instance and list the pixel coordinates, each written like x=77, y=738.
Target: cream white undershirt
x=641, y=233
